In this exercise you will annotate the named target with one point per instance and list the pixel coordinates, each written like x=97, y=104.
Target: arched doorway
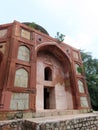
x=53, y=75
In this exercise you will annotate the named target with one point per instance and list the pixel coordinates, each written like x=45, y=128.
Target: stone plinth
x=69, y=122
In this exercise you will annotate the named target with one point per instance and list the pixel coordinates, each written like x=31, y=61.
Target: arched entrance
x=54, y=89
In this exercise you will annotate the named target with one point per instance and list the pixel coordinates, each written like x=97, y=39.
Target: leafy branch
x=60, y=37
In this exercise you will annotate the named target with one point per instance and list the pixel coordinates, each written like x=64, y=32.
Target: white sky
x=77, y=19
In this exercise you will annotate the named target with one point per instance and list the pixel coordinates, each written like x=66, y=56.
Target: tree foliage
x=91, y=72
x=60, y=37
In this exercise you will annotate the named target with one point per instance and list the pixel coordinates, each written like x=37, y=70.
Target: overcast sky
x=77, y=19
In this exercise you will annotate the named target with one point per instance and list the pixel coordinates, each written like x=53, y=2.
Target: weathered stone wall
x=87, y=123
x=12, y=125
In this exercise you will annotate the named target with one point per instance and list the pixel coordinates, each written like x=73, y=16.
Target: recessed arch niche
x=47, y=73
x=52, y=67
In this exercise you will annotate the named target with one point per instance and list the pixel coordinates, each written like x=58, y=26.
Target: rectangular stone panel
x=81, y=86
x=75, y=55
x=21, y=78
x=3, y=33
x=25, y=34
x=19, y=101
x=84, y=102
x=23, y=53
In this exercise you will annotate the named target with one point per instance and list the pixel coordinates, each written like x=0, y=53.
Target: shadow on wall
x=1, y=57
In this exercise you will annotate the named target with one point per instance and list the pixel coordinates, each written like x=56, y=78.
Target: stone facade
x=37, y=73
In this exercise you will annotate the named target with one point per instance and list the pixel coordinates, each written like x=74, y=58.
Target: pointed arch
x=55, y=49
x=47, y=45
x=54, y=63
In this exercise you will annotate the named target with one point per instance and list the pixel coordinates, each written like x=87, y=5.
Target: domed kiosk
x=38, y=74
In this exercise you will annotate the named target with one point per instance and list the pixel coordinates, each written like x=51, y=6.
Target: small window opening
x=67, y=50
x=40, y=39
x=48, y=74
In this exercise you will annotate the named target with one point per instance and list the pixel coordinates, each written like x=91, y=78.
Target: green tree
x=91, y=72
x=60, y=37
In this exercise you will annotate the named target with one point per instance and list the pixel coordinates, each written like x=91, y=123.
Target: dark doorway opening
x=49, y=98
x=1, y=57
x=46, y=98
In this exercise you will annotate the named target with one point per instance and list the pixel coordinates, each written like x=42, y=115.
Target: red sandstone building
x=38, y=73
